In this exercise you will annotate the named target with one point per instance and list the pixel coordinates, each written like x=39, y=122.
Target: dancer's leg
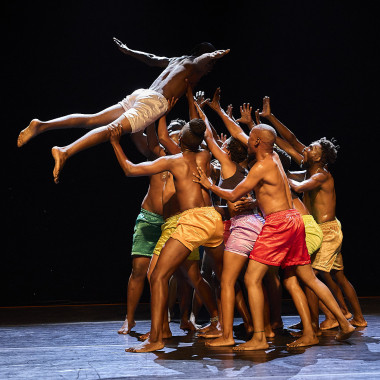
x=350, y=293
x=253, y=281
x=90, y=139
x=306, y=274
x=232, y=265
x=77, y=120
x=274, y=290
x=135, y=288
x=171, y=257
x=291, y=283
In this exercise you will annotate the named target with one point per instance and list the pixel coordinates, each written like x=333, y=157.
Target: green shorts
x=146, y=233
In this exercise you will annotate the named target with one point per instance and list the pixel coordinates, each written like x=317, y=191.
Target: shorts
x=313, y=234
x=282, y=240
x=226, y=230
x=143, y=107
x=146, y=233
x=244, y=231
x=167, y=229
x=199, y=226
x=329, y=257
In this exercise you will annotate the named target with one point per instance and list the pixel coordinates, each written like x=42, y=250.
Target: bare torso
x=171, y=82
x=322, y=201
x=273, y=191
x=153, y=199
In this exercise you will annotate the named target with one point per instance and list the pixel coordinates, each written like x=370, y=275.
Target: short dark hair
x=176, y=125
x=202, y=48
x=237, y=150
x=193, y=133
x=286, y=160
x=329, y=150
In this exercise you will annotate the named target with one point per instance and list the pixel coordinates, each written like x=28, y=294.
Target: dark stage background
x=70, y=243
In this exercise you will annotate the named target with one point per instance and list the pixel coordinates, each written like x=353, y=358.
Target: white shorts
x=143, y=107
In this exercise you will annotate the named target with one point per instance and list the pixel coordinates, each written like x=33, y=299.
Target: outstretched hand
x=115, y=133
x=171, y=104
x=122, y=47
x=245, y=114
x=266, y=112
x=215, y=102
x=201, y=178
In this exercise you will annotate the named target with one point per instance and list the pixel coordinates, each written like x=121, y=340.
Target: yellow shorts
x=199, y=226
x=329, y=256
x=167, y=229
x=314, y=234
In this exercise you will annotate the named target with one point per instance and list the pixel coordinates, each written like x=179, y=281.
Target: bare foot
x=297, y=326
x=358, y=322
x=303, y=341
x=146, y=346
x=221, y=342
x=345, y=333
x=28, y=133
x=252, y=345
x=328, y=324
x=277, y=325
x=165, y=335
x=211, y=331
x=59, y=155
x=269, y=333
x=347, y=315
x=187, y=326
x=126, y=328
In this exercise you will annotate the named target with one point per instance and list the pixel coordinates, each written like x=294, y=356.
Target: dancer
x=280, y=243
x=199, y=224
x=136, y=111
x=317, y=184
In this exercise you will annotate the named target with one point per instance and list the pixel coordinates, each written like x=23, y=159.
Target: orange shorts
x=199, y=226
x=329, y=256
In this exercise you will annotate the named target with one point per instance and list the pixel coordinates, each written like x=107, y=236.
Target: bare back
x=272, y=191
x=189, y=193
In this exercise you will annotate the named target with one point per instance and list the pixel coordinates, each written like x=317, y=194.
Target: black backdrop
x=71, y=242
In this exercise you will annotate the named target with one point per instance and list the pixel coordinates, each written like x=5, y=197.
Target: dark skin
x=268, y=179
x=171, y=83
x=190, y=195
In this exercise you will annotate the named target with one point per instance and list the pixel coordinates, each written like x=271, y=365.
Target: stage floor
x=92, y=349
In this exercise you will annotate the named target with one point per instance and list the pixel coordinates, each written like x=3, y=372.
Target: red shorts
x=226, y=230
x=282, y=240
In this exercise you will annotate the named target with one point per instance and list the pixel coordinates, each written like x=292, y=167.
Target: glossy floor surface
x=90, y=348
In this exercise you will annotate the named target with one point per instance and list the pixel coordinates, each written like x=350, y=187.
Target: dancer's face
x=312, y=153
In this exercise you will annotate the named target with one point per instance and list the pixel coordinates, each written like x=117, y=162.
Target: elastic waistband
x=194, y=209
x=282, y=214
x=150, y=213
x=330, y=223
x=173, y=217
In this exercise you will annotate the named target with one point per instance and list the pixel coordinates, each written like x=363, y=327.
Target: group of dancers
x=235, y=199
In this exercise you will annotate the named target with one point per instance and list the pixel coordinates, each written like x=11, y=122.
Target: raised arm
x=140, y=141
x=223, y=158
x=135, y=170
x=153, y=144
x=284, y=145
x=235, y=130
x=281, y=129
x=147, y=58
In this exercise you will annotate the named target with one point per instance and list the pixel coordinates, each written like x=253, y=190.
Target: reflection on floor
x=92, y=349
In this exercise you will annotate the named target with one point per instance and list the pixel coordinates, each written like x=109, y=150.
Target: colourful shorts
x=313, y=233
x=199, y=226
x=282, y=240
x=167, y=229
x=143, y=107
x=244, y=231
x=146, y=233
x=226, y=230
x=329, y=256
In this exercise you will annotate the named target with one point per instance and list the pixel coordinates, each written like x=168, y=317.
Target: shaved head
x=265, y=133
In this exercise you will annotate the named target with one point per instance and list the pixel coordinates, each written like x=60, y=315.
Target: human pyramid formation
x=235, y=198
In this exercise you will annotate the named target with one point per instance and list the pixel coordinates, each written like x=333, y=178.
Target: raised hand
x=171, y=104
x=200, y=99
x=115, y=133
x=257, y=116
x=201, y=178
x=122, y=47
x=266, y=112
x=215, y=103
x=245, y=114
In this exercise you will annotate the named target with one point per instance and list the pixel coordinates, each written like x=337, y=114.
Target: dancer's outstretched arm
x=235, y=130
x=287, y=135
x=147, y=58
